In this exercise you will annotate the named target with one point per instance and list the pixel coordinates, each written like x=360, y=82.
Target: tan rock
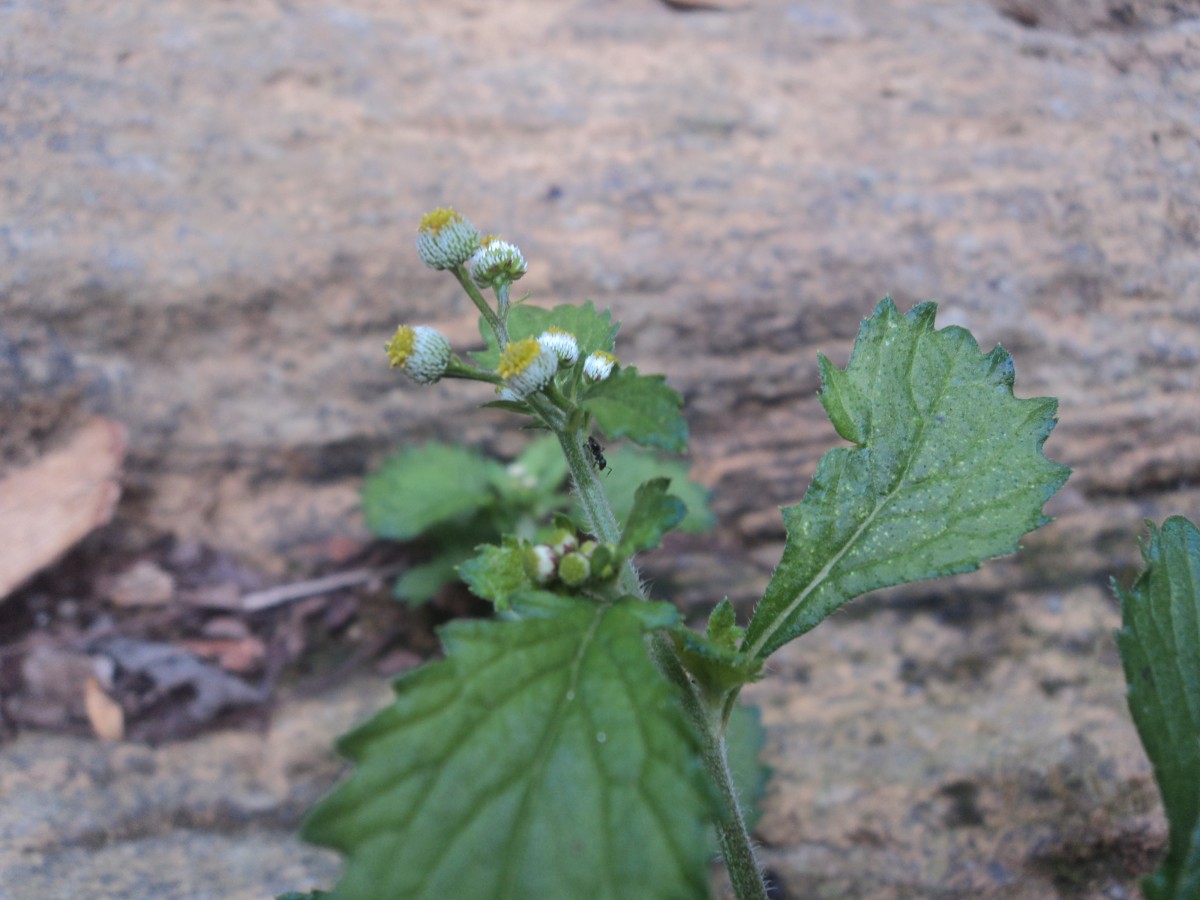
x=143, y=584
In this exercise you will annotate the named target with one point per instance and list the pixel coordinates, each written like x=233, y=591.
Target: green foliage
x=428, y=485
x=948, y=471
x=559, y=750
x=459, y=499
x=543, y=757
x=1160, y=650
x=497, y=573
x=713, y=660
x=639, y=407
x=594, y=330
x=654, y=513
x=628, y=467
x=746, y=739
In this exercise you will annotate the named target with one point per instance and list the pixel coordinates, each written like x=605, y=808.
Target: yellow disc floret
x=526, y=366
x=422, y=352
x=436, y=220
x=518, y=356
x=400, y=347
x=445, y=239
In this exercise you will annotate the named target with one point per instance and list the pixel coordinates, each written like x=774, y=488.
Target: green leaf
x=722, y=628
x=421, y=582
x=1160, y=649
x=497, y=573
x=593, y=330
x=745, y=739
x=426, y=485
x=311, y=895
x=949, y=472
x=543, y=757
x=717, y=667
x=629, y=466
x=639, y=407
x=654, y=513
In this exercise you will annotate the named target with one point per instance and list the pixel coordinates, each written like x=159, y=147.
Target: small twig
x=285, y=593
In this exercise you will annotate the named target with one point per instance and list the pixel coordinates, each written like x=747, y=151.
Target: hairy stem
x=497, y=324
x=707, y=718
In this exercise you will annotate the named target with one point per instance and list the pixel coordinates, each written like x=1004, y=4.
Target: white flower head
x=561, y=343
x=599, y=365
x=445, y=239
x=539, y=563
x=422, y=352
x=526, y=367
x=497, y=262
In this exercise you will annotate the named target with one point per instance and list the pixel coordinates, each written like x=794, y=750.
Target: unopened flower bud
x=561, y=343
x=538, y=563
x=599, y=365
x=562, y=541
x=526, y=367
x=422, y=352
x=574, y=569
x=446, y=240
x=497, y=262
x=604, y=559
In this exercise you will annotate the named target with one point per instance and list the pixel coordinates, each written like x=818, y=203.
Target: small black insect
x=597, y=452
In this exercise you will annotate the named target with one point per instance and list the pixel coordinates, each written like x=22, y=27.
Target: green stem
x=601, y=519
x=498, y=325
x=706, y=716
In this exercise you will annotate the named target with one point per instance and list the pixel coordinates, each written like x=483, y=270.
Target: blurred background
x=207, y=215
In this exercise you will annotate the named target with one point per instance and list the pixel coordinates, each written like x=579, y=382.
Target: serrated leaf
x=630, y=466
x=424, y=486
x=543, y=757
x=716, y=667
x=722, y=627
x=949, y=472
x=497, y=573
x=641, y=408
x=654, y=513
x=592, y=329
x=1160, y=650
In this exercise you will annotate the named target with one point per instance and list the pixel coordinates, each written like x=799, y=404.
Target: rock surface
x=210, y=818
x=208, y=222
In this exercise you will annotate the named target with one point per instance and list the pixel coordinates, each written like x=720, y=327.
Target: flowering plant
x=576, y=745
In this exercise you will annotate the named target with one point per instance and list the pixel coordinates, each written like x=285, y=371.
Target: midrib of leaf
x=1176, y=726
x=415, y=808
x=539, y=763
x=820, y=577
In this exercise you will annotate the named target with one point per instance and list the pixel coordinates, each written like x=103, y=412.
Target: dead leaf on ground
x=105, y=713
x=239, y=655
x=48, y=506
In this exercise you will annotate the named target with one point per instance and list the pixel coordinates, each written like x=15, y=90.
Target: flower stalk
x=527, y=372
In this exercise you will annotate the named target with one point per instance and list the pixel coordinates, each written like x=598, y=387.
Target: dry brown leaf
x=105, y=713
x=239, y=655
x=47, y=507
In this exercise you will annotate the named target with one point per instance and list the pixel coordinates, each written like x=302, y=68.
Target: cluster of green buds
x=575, y=564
